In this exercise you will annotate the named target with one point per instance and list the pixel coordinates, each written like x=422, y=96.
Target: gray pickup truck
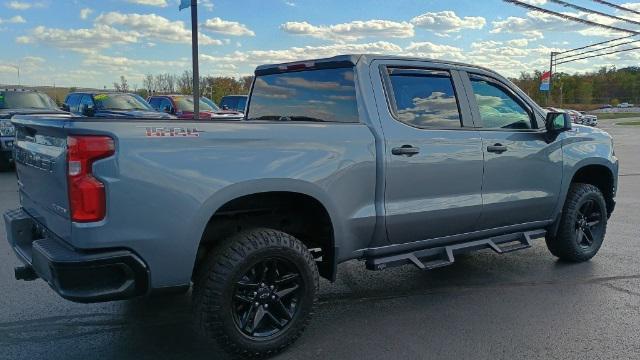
x=389, y=160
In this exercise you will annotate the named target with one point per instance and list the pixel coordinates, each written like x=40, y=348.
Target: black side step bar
x=433, y=258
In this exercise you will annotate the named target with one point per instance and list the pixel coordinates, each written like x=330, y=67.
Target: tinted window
x=86, y=100
x=113, y=101
x=230, y=102
x=425, y=99
x=185, y=103
x=73, y=101
x=25, y=100
x=155, y=103
x=498, y=109
x=242, y=103
x=314, y=95
x=211, y=104
x=165, y=104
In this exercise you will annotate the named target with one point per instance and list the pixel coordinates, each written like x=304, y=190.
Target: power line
x=569, y=17
x=596, y=44
x=584, y=9
x=596, y=55
x=616, y=6
x=595, y=50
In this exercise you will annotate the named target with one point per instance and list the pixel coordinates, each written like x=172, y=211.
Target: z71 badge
x=171, y=132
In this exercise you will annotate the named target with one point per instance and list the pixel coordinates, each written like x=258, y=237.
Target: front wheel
x=582, y=226
x=255, y=294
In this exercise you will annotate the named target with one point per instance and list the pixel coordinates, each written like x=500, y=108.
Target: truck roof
x=349, y=59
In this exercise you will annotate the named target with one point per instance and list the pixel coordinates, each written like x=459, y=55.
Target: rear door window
x=424, y=99
x=324, y=95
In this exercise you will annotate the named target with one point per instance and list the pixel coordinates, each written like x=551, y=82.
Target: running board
x=433, y=258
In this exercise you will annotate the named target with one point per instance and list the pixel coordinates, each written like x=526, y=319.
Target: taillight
x=87, y=199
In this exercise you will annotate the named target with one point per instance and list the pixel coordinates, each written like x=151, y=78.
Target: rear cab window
x=322, y=95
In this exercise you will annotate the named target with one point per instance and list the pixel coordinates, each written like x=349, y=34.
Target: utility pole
x=553, y=55
x=194, y=51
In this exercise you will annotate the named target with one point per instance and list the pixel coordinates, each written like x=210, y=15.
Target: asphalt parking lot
x=486, y=306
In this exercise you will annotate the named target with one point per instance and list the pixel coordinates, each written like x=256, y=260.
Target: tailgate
x=41, y=167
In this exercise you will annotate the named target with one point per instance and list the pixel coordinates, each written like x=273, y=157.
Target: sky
x=92, y=43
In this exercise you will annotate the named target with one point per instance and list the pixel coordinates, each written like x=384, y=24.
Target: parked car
x=350, y=157
x=20, y=102
x=625, y=105
x=234, y=102
x=222, y=114
x=606, y=106
x=183, y=107
x=112, y=105
x=575, y=115
x=589, y=119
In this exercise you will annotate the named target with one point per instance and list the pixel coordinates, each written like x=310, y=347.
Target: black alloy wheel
x=266, y=298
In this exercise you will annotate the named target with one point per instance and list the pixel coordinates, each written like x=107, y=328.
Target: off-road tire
x=564, y=244
x=215, y=288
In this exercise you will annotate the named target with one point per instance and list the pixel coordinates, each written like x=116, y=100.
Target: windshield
x=185, y=103
x=26, y=100
x=315, y=95
x=210, y=103
x=120, y=102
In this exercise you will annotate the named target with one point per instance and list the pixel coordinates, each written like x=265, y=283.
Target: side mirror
x=88, y=110
x=558, y=122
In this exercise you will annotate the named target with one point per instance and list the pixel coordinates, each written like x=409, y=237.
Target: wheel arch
x=234, y=205
x=600, y=172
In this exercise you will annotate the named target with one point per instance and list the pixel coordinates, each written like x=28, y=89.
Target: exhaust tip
x=25, y=273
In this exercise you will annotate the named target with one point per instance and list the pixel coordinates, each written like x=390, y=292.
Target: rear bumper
x=80, y=276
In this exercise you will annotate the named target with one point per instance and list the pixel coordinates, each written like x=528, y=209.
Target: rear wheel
x=255, y=294
x=582, y=226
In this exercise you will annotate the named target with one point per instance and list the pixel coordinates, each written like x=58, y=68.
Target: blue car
x=112, y=105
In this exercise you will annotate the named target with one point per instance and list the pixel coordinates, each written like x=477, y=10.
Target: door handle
x=407, y=150
x=497, y=148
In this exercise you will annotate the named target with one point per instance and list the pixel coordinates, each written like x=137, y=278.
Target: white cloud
x=85, y=12
x=535, y=24
x=154, y=26
x=232, y=28
x=81, y=40
x=256, y=57
x=207, y=4
x=123, y=63
x=13, y=20
x=447, y=22
x=518, y=42
x=24, y=5
x=159, y=3
x=351, y=31
x=430, y=50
